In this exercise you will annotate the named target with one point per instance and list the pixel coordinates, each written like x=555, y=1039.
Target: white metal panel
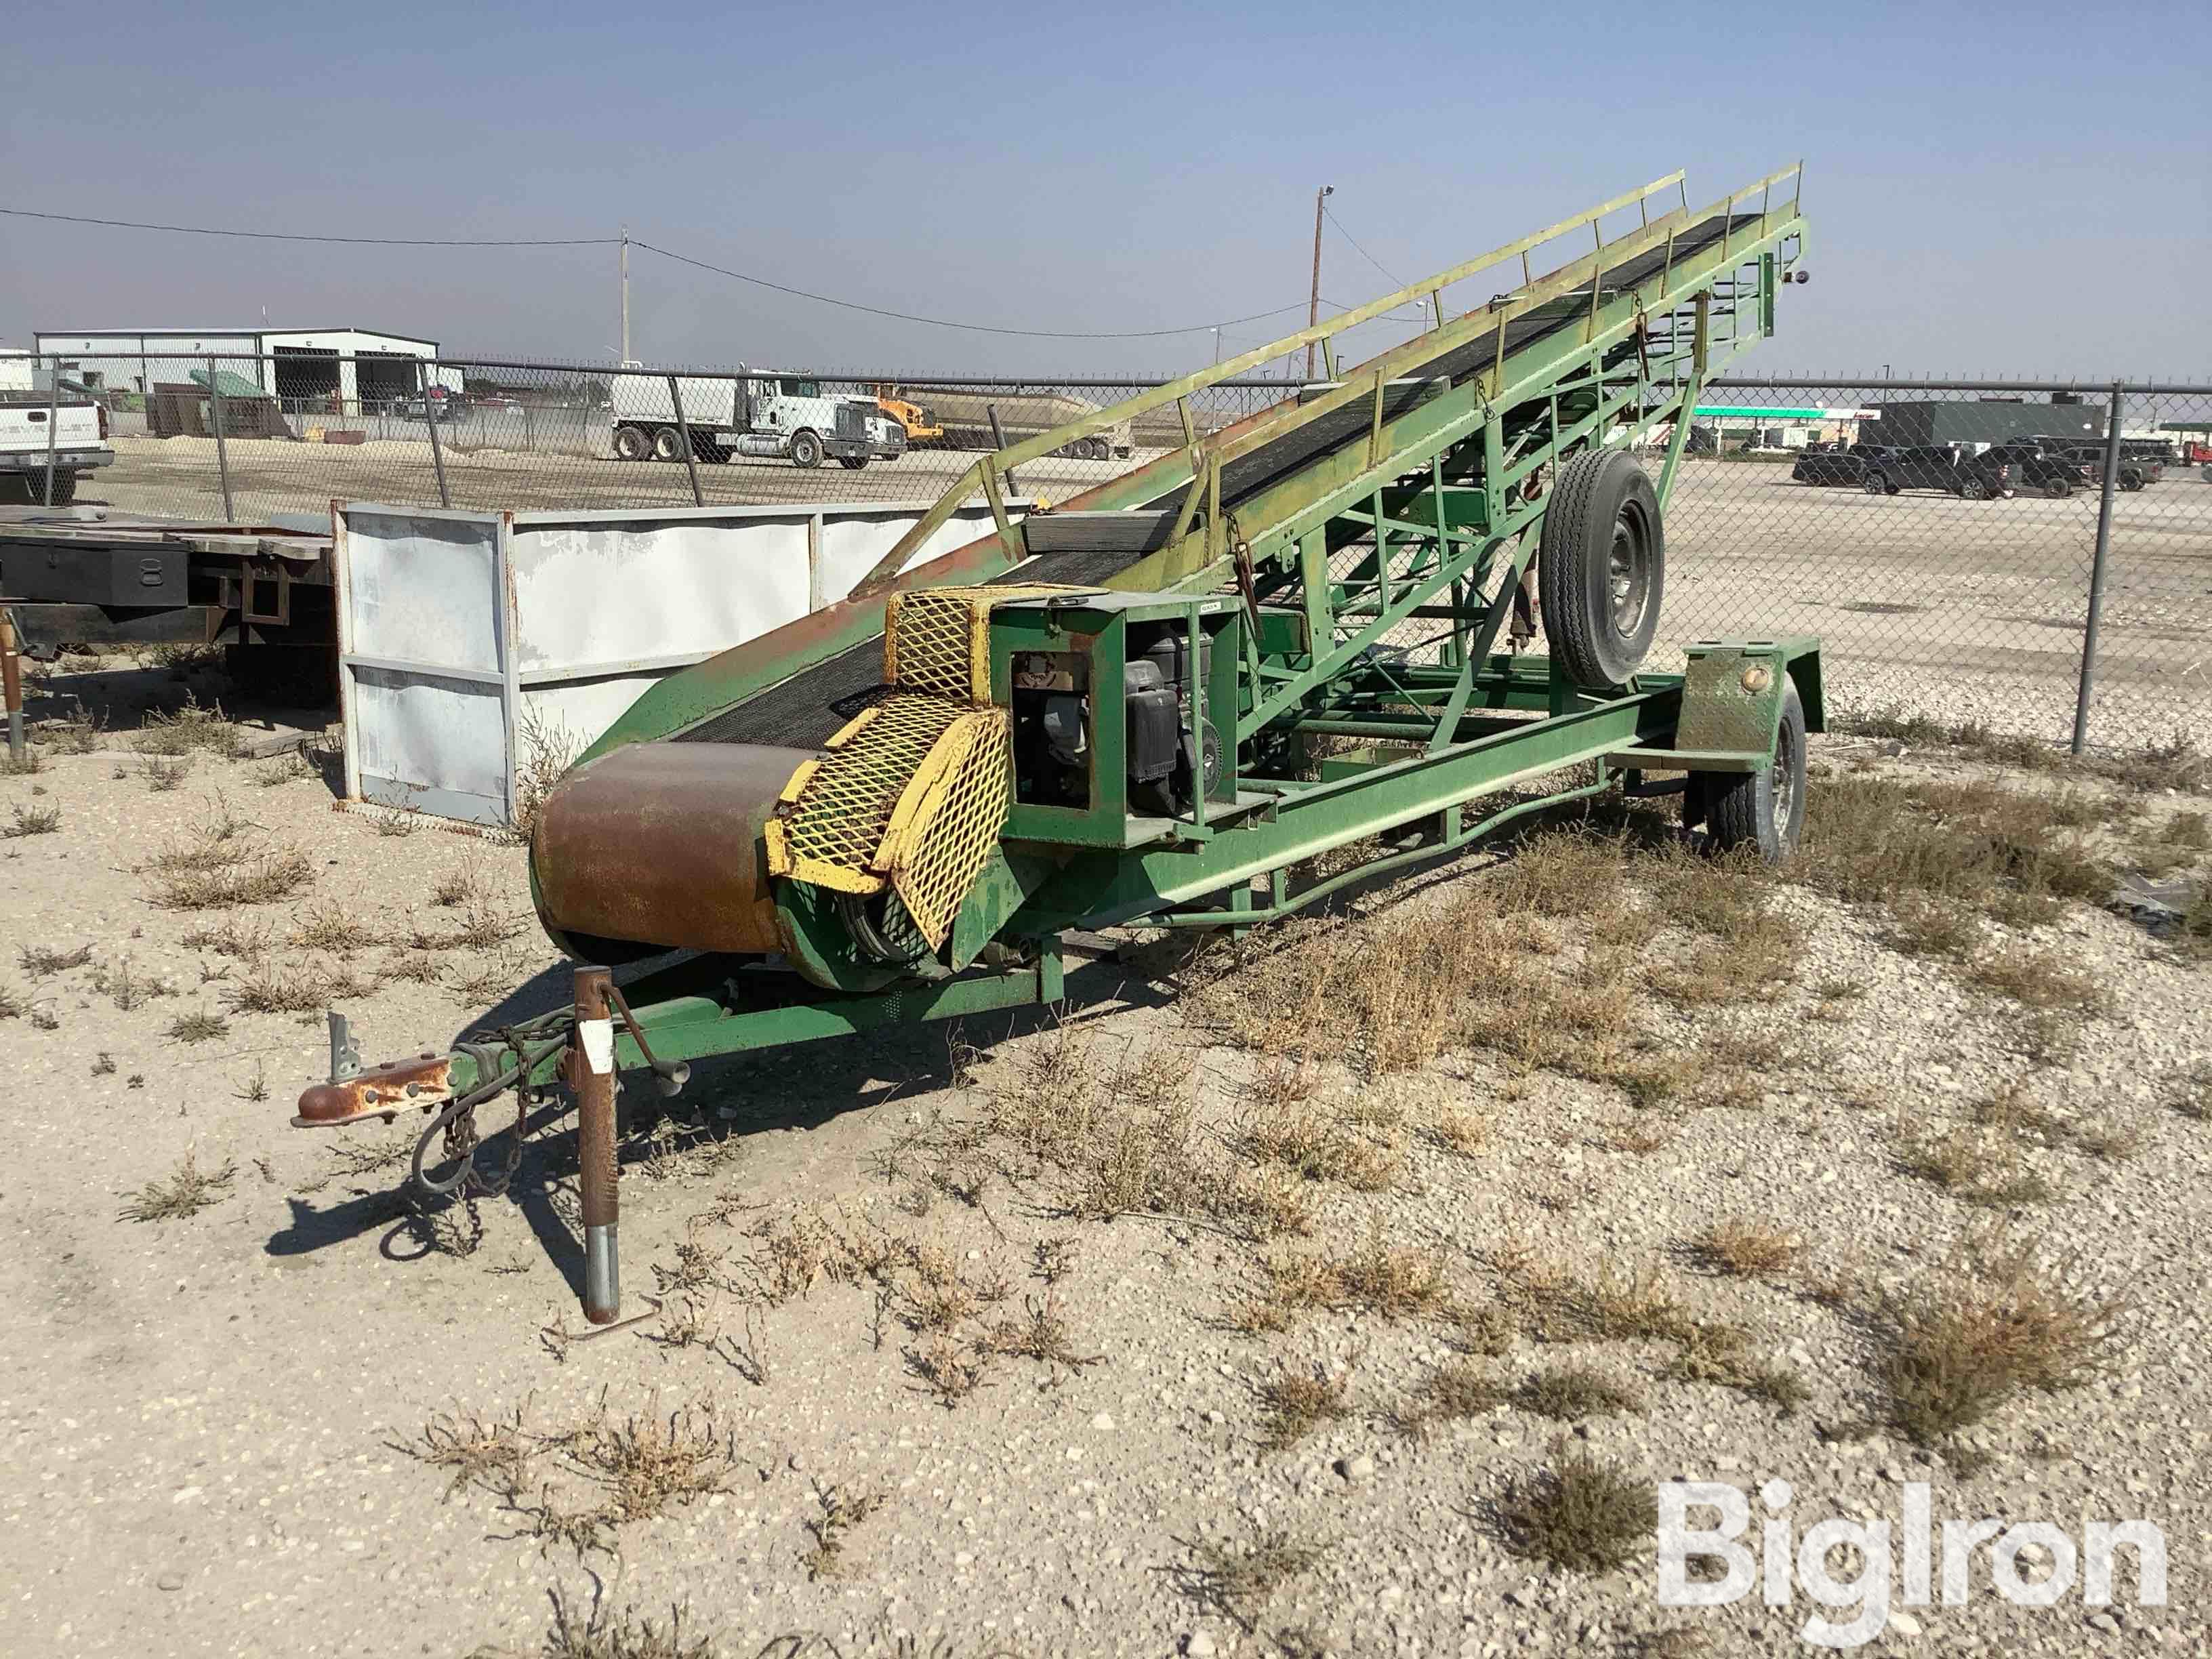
x=852, y=542
x=589, y=595
x=423, y=587
x=438, y=707
x=438, y=745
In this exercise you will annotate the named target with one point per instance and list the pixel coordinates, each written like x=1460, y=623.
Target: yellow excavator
x=921, y=427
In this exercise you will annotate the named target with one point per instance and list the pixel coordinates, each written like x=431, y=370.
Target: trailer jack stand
x=592, y=1076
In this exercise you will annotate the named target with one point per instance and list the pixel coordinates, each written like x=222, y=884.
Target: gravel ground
x=212, y=1423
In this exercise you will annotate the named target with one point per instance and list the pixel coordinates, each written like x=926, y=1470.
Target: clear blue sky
x=1993, y=189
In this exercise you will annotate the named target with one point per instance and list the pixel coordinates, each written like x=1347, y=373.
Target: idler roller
x=659, y=844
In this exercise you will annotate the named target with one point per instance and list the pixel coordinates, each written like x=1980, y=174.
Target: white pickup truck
x=76, y=441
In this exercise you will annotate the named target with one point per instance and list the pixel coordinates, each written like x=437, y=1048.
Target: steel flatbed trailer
x=91, y=574
x=1308, y=631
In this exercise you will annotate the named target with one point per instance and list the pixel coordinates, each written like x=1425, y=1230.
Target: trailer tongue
x=894, y=810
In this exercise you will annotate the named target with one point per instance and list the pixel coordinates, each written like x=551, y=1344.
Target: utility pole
x=1217, y=345
x=625, y=294
x=1313, y=306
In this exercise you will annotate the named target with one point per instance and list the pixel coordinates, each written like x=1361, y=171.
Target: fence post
x=53, y=420
x=430, y=420
x=222, y=444
x=999, y=441
x=684, y=431
x=2097, y=573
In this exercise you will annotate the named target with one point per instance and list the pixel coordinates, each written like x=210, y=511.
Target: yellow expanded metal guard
x=912, y=792
x=937, y=640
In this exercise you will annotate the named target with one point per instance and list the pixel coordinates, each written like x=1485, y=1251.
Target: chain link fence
x=1942, y=538
x=239, y=438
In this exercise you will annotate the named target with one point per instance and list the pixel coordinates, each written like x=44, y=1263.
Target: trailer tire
x=1764, y=810
x=805, y=449
x=1601, y=568
x=631, y=444
x=667, y=444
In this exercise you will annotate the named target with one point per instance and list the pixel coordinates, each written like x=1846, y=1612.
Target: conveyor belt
x=1297, y=450
x=803, y=711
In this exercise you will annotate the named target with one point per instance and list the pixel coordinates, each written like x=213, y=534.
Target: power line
x=1362, y=252
x=976, y=328
x=290, y=236
x=665, y=253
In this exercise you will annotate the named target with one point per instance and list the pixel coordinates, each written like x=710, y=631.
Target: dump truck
x=965, y=416
x=907, y=807
x=754, y=415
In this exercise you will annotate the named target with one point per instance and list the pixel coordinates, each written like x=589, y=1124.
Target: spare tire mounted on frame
x=1601, y=568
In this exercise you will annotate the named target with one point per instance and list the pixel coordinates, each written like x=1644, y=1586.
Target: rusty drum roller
x=658, y=846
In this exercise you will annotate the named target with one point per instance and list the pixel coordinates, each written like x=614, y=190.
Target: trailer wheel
x=1762, y=810
x=631, y=444
x=805, y=449
x=1601, y=568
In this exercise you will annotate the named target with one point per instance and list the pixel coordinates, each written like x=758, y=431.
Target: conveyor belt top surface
x=1301, y=448
x=805, y=710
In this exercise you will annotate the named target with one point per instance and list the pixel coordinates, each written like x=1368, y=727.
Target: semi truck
x=754, y=415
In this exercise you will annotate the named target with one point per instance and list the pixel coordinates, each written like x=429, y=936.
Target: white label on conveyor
x=599, y=1038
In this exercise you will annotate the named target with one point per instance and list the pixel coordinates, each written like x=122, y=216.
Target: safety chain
x=456, y=1125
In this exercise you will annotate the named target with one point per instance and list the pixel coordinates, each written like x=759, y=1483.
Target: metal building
x=1983, y=421
x=309, y=370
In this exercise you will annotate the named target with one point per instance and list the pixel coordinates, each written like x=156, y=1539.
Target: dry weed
x=41, y=962
x=1970, y=1337
x=1748, y=1248
x=201, y=1025
x=1579, y=1513
x=330, y=925
x=187, y=1191
x=1237, y=1580
x=1571, y=1392
x=1299, y=1402
x=190, y=727
x=488, y=1454
x=841, y=1511
x=30, y=820
x=270, y=987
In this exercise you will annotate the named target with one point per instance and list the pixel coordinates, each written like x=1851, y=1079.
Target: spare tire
x=1601, y=568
